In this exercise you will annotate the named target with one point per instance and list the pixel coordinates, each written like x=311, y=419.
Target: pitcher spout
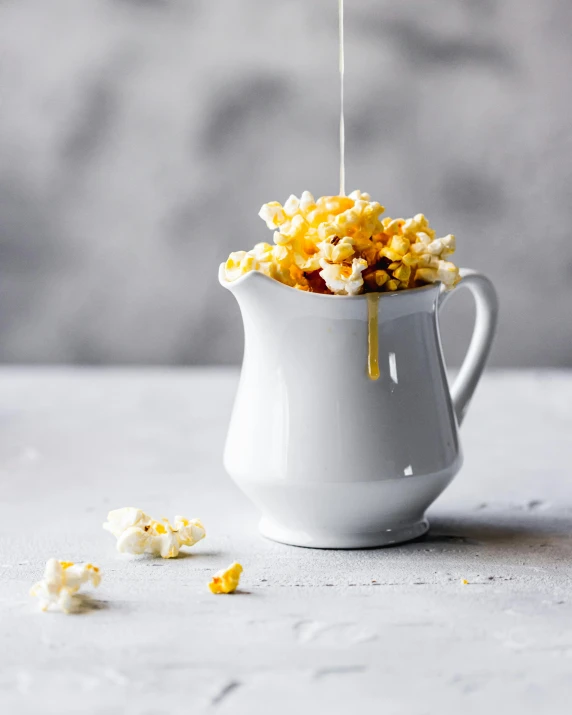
x=257, y=289
x=246, y=282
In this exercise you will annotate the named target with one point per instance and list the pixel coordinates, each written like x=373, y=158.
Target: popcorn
x=444, y=271
x=62, y=580
x=239, y=263
x=226, y=581
x=291, y=206
x=138, y=533
x=307, y=202
x=338, y=250
x=272, y=213
x=339, y=245
x=344, y=278
x=359, y=196
x=376, y=280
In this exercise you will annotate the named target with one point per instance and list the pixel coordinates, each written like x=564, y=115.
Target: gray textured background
x=138, y=140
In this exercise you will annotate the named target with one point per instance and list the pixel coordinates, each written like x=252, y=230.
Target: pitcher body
x=343, y=430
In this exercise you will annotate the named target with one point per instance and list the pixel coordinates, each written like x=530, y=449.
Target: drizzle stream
x=372, y=336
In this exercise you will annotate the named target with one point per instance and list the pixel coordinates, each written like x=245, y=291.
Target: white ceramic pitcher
x=332, y=457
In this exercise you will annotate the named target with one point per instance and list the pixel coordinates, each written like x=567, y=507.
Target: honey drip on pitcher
x=372, y=336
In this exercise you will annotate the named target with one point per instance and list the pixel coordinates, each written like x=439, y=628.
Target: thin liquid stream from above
x=373, y=336
x=372, y=298
x=342, y=127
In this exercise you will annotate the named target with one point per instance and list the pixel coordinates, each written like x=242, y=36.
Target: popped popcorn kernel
x=272, y=213
x=344, y=241
x=238, y=263
x=138, y=533
x=344, y=278
x=62, y=580
x=226, y=581
x=376, y=279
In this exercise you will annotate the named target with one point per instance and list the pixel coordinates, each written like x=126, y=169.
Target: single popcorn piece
x=138, y=533
x=62, y=580
x=344, y=278
x=240, y=262
x=226, y=581
x=337, y=250
x=339, y=245
x=272, y=213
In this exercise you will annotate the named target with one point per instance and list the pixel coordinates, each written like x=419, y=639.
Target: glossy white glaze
x=332, y=458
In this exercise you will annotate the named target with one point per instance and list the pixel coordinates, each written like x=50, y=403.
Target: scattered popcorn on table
x=339, y=245
x=138, y=533
x=226, y=581
x=62, y=580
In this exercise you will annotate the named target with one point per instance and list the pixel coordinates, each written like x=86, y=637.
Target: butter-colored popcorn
x=344, y=278
x=376, y=280
x=62, y=580
x=138, y=533
x=272, y=213
x=226, y=581
x=239, y=263
x=320, y=245
x=338, y=250
x=359, y=196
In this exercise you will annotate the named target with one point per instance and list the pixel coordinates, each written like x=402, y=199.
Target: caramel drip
x=372, y=336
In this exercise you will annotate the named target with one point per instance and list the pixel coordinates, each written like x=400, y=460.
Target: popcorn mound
x=339, y=245
x=138, y=533
x=62, y=580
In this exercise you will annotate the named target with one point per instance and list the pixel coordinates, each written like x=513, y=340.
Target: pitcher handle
x=486, y=318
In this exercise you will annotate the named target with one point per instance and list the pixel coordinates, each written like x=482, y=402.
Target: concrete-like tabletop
x=392, y=631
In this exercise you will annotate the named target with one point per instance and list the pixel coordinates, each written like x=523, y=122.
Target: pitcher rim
x=363, y=296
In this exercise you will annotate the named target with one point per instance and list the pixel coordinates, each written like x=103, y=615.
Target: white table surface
x=394, y=630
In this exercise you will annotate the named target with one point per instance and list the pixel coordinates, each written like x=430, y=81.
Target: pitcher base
x=386, y=537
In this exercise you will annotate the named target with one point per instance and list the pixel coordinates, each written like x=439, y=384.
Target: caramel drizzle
x=342, y=127
x=372, y=336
